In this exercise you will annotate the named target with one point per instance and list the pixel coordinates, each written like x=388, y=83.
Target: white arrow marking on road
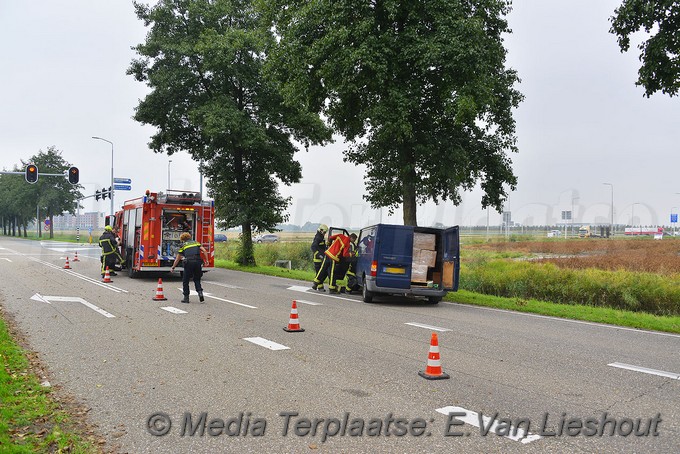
x=433, y=328
x=472, y=418
x=645, y=370
x=75, y=299
x=174, y=310
x=300, y=288
x=209, y=295
x=262, y=342
x=311, y=303
x=4, y=258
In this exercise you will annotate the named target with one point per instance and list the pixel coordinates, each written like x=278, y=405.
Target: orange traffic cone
x=76, y=259
x=293, y=323
x=433, y=371
x=159, y=291
x=66, y=265
x=107, y=276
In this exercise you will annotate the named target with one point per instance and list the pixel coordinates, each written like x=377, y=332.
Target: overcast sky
x=583, y=122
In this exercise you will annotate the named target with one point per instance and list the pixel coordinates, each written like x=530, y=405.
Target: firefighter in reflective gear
x=352, y=284
x=110, y=256
x=331, y=264
x=319, y=247
x=193, y=255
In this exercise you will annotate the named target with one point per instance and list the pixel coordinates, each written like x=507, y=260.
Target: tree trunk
x=51, y=226
x=246, y=256
x=409, y=199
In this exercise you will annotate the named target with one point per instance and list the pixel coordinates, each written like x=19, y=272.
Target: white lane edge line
x=222, y=285
x=566, y=320
x=646, y=370
x=473, y=418
x=422, y=325
x=80, y=276
x=262, y=342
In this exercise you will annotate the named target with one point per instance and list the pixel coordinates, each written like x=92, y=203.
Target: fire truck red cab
x=149, y=229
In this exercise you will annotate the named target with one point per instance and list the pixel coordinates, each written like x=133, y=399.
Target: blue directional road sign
x=674, y=217
x=122, y=181
x=122, y=187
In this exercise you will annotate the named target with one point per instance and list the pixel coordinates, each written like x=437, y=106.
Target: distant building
x=93, y=220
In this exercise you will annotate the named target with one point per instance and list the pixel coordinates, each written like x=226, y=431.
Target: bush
x=266, y=254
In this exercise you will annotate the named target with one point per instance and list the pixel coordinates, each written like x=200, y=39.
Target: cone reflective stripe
x=107, y=276
x=293, y=322
x=159, y=292
x=433, y=371
x=66, y=265
x=76, y=259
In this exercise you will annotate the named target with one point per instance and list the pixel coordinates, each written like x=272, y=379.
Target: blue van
x=408, y=260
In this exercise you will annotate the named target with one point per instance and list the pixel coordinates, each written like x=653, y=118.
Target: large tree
x=419, y=88
x=660, y=52
x=203, y=61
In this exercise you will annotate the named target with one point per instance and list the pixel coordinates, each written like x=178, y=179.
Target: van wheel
x=368, y=296
x=434, y=299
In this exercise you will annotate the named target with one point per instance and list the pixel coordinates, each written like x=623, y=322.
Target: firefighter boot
x=185, y=299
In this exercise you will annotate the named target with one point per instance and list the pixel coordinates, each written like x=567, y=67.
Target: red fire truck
x=149, y=228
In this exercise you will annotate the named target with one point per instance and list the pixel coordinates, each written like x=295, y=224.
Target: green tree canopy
x=419, y=88
x=660, y=53
x=203, y=61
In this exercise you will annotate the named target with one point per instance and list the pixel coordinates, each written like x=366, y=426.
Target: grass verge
x=30, y=419
x=639, y=320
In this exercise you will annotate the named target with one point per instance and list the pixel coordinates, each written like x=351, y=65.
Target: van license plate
x=394, y=270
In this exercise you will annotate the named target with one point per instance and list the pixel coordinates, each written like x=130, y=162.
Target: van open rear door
x=451, y=258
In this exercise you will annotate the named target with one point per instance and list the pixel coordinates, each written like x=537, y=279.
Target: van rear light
x=374, y=268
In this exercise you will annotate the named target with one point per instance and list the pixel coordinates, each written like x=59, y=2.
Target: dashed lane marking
x=262, y=342
x=646, y=370
x=474, y=419
x=210, y=295
x=174, y=310
x=422, y=325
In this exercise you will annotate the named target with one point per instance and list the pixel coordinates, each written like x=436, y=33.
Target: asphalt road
x=352, y=374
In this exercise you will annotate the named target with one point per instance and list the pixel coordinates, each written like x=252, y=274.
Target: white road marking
x=4, y=258
x=262, y=342
x=645, y=370
x=300, y=288
x=221, y=284
x=209, y=295
x=311, y=303
x=75, y=299
x=433, y=328
x=174, y=310
x=565, y=320
x=81, y=276
x=472, y=418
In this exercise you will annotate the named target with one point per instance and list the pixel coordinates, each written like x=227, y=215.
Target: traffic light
x=31, y=173
x=97, y=195
x=73, y=175
x=103, y=193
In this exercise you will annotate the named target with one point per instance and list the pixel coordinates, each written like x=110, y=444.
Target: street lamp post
x=632, y=214
x=611, y=224
x=111, y=193
x=572, y=214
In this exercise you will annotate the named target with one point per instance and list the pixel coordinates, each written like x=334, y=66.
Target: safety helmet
x=108, y=228
x=323, y=228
